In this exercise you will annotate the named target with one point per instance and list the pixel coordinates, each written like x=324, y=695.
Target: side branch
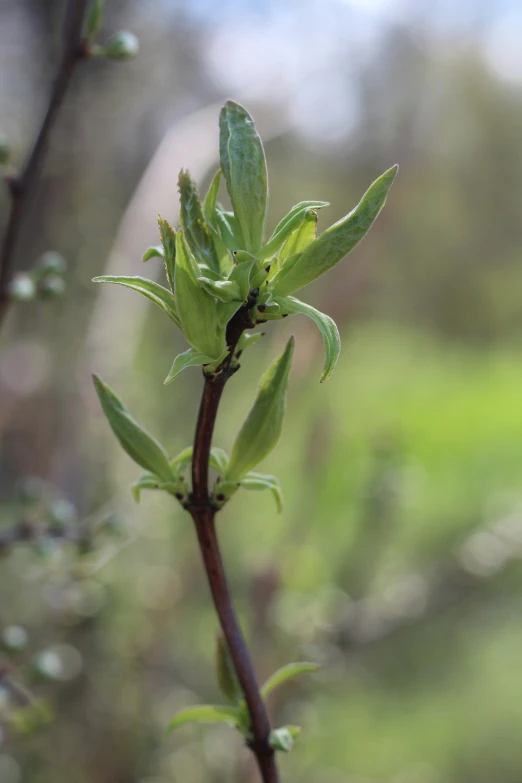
x=21, y=186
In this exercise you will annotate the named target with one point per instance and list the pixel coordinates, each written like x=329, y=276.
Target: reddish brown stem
x=203, y=515
x=22, y=186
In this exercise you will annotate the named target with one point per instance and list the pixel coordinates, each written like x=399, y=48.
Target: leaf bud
x=121, y=46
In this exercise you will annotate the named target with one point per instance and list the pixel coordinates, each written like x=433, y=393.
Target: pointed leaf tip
x=337, y=241
x=142, y=447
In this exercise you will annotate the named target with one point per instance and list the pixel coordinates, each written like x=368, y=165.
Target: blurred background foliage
x=396, y=560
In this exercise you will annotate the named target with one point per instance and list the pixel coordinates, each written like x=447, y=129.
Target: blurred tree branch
x=21, y=185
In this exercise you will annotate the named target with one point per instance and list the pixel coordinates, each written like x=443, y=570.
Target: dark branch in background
x=203, y=514
x=22, y=185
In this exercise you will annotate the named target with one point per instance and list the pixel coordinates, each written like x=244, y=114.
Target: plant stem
x=203, y=515
x=22, y=185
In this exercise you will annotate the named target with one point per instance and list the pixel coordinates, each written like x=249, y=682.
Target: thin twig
x=22, y=185
x=203, y=514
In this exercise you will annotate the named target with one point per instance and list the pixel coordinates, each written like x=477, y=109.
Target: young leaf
x=139, y=445
x=153, y=252
x=283, y=738
x=334, y=243
x=291, y=223
x=299, y=240
x=93, y=19
x=218, y=459
x=210, y=200
x=168, y=239
x=244, y=166
x=262, y=427
x=176, y=488
x=197, y=309
x=229, y=229
x=286, y=673
x=327, y=327
x=223, y=290
x=186, y=359
x=161, y=296
x=259, y=481
x=226, y=673
x=247, y=339
x=194, y=227
x=204, y=713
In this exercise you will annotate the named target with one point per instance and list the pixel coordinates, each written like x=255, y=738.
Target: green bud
x=51, y=263
x=22, y=288
x=121, y=46
x=283, y=738
x=5, y=151
x=51, y=287
x=262, y=427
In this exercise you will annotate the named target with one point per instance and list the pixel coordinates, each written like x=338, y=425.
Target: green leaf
x=168, y=239
x=139, y=445
x=218, y=459
x=221, y=250
x=197, y=309
x=283, y=738
x=327, y=327
x=288, y=225
x=244, y=166
x=226, y=673
x=93, y=19
x=186, y=359
x=204, y=713
x=177, y=488
x=229, y=229
x=153, y=252
x=210, y=200
x=247, y=339
x=334, y=243
x=193, y=223
x=286, y=673
x=258, y=481
x=223, y=290
x=161, y=296
x=240, y=274
x=299, y=240
x=262, y=427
